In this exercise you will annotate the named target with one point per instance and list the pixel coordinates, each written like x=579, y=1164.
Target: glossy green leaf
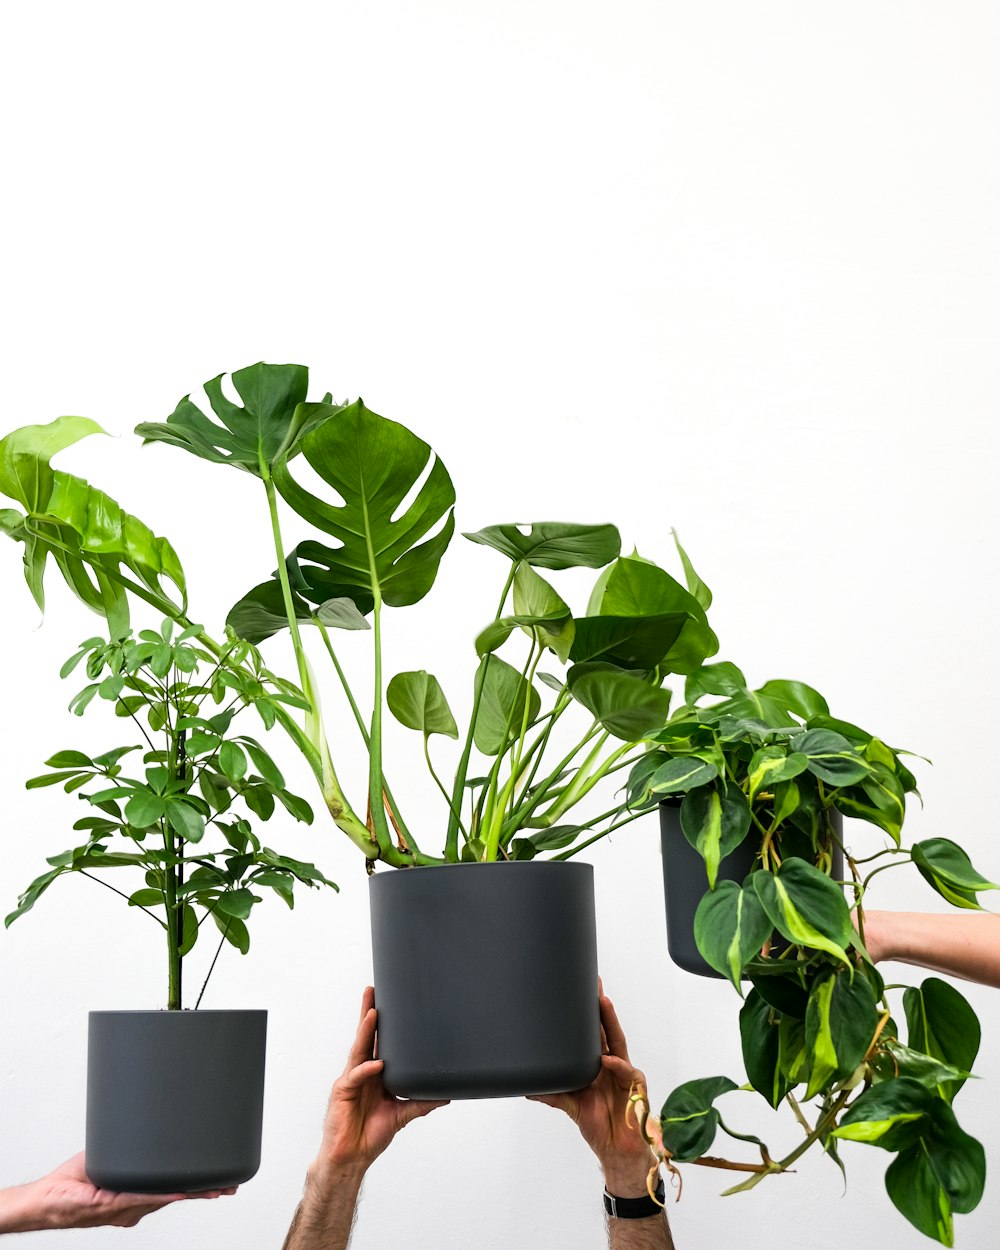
x=418, y=702
x=372, y=465
x=688, y=1119
x=501, y=707
x=677, y=776
x=550, y=545
x=249, y=437
x=730, y=927
x=797, y=697
x=261, y=613
x=627, y=706
x=891, y=1115
x=831, y=757
x=535, y=598
x=879, y=799
x=238, y=903
x=144, y=809
x=948, y=870
x=841, y=1018
x=189, y=930
x=771, y=765
x=941, y=1023
x=760, y=1041
x=900, y=1060
x=146, y=898
x=233, y=930
x=185, y=821
x=718, y=679
x=694, y=583
x=715, y=822
x=631, y=642
x=806, y=907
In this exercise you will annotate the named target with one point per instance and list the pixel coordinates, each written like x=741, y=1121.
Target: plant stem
x=211, y=969
x=84, y=873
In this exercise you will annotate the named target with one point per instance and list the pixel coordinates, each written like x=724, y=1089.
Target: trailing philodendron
x=769, y=774
x=171, y=816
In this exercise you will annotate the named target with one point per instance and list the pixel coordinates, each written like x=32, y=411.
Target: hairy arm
x=965, y=945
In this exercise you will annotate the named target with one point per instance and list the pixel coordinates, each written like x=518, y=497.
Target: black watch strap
x=635, y=1208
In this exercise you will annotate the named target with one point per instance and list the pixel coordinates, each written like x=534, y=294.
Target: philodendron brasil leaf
x=940, y=1170
x=831, y=757
x=677, y=776
x=941, y=1023
x=771, y=765
x=806, y=907
x=759, y=1035
x=553, y=545
x=501, y=708
x=841, y=1018
x=417, y=701
x=947, y=869
x=899, y=1060
x=99, y=548
x=373, y=465
x=879, y=799
x=633, y=587
x=688, y=1119
x=624, y=703
x=730, y=927
x=715, y=821
x=249, y=438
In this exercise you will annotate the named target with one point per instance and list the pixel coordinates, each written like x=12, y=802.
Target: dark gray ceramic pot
x=685, y=883
x=174, y=1099
x=486, y=979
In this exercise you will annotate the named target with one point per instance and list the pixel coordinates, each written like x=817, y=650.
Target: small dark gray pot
x=175, y=1099
x=486, y=979
x=685, y=883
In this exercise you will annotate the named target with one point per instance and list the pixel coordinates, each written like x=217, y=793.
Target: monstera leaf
x=102, y=551
x=373, y=465
x=250, y=438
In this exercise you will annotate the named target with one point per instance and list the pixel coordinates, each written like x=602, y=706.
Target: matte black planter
x=486, y=979
x=685, y=883
x=174, y=1099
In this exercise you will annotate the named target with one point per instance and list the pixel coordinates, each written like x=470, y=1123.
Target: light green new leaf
x=534, y=597
x=947, y=869
x=417, y=701
x=625, y=704
x=941, y=1023
x=797, y=697
x=501, y=708
x=730, y=927
x=373, y=464
x=841, y=1018
x=806, y=907
x=771, y=765
x=715, y=822
x=694, y=583
x=553, y=545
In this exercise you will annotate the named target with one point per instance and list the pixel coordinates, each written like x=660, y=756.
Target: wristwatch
x=635, y=1208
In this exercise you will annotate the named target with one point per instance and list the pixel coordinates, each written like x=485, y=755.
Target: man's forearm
x=18, y=1213
x=962, y=945
x=651, y=1233
x=325, y=1216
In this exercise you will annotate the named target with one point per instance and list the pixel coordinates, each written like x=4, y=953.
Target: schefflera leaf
x=730, y=927
x=373, y=466
x=418, y=702
x=939, y=1170
x=806, y=907
x=948, y=870
x=553, y=545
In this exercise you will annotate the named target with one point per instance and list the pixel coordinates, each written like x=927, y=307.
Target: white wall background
x=726, y=267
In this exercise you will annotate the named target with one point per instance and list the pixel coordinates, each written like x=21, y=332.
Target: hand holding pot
x=67, y=1199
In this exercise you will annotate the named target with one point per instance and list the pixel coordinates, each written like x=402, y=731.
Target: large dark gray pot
x=486, y=979
x=685, y=883
x=174, y=1099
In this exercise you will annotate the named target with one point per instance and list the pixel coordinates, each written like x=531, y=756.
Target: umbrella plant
x=771, y=766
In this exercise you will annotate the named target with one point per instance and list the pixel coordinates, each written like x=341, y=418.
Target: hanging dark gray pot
x=486, y=979
x=685, y=883
x=174, y=1099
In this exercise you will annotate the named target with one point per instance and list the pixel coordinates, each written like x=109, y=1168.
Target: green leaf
x=146, y=898
x=806, y=907
x=879, y=799
x=636, y=588
x=677, y=776
x=270, y=423
x=189, y=929
x=233, y=762
x=900, y=1060
x=50, y=779
x=536, y=600
x=551, y=545
x=233, y=930
x=948, y=870
x=891, y=1115
x=372, y=464
x=688, y=1119
x=262, y=761
x=238, y=903
x=261, y=612
x=772, y=765
x=69, y=759
x=841, y=1018
x=501, y=707
x=730, y=927
x=797, y=697
x=631, y=642
x=715, y=822
x=144, y=809
x=184, y=820
x=280, y=882
x=418, y=702
x=694, y=583
x=626, y=705
x=720, y=679
x=555, y=838
x=831, y=757
x=759, y=1035
x=941, y=1023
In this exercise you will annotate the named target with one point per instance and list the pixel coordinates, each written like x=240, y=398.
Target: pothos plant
x=179, y=816
x=817, y=1024
x=376, y=534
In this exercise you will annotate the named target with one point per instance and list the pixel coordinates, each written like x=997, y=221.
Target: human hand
x=603, y=1113
x=67, y=1199
x=362, y=1117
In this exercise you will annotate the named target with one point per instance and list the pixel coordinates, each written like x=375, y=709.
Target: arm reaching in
x=603, y=1115
x=66, y=1199
x=362, y=1118
x=965, y=945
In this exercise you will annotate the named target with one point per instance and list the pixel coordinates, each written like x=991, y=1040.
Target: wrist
x=626, y=1178
x=20, y=1212
x=326, y=1176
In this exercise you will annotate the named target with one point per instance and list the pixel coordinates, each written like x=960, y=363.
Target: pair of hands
x=363, y=1117
x=67, y=1199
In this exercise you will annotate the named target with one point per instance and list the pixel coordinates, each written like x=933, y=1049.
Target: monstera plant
x=758, y=781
